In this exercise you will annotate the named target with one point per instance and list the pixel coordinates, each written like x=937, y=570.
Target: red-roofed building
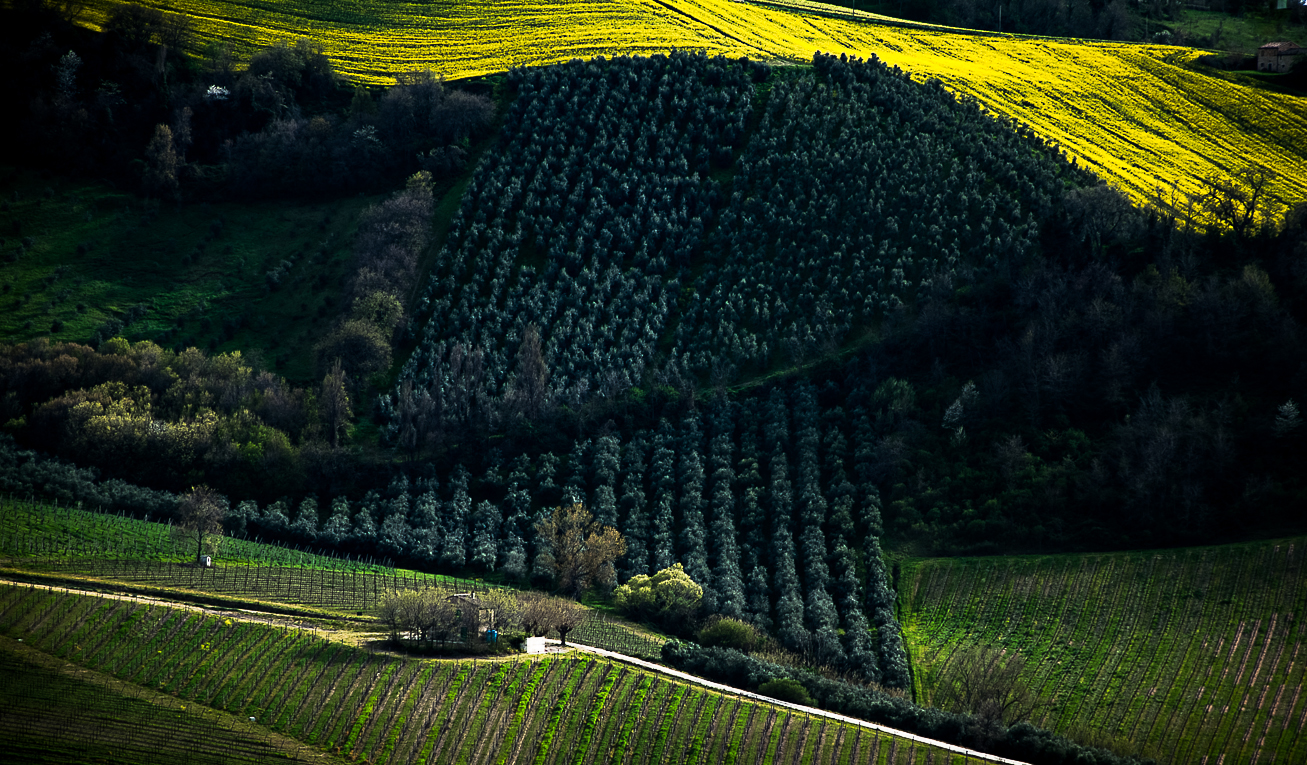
x=1279, y=56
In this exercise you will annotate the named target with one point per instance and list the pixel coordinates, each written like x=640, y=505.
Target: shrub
x=786, y=689
x=730, y=633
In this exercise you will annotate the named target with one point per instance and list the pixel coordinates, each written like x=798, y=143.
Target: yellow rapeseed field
x=1142, y=116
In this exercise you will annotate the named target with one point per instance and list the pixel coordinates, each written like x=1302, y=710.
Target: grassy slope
x=1142, y=116
x=1183, y=655
x=572, y=709
x=57, y=712
x=132, y=254
x=86, y=549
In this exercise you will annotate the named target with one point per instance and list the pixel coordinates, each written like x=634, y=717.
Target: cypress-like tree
x=513, y=555
x=753, y=516
x=822, y=617
x=547, y=493
x=427, y=531
x=858, y=646
x=453, y=552
x=789, y=600
x=337, y=528
x=868, y=499
x=574, y=489
x=880, y=600
x=607, y=462
x=662, y=480
x=728, y=580
x=694, y=542
x=365, y=528
x=305, y=526
x=631, y=510
x=486, y=520
x=758, y=599
x=393, y=539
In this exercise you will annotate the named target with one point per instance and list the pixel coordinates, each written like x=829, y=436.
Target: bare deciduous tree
x=333, y=401
x=542, y=614
x=1235, y=202
x=161, y=163
x=199, y=518
x=986, y=683
x=529, y=392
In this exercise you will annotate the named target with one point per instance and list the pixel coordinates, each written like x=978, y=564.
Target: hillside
x=379, y=708
x=766, y=320
x=1179, y=655
x=57, y=712
x=263, y=279
x=1141, y=116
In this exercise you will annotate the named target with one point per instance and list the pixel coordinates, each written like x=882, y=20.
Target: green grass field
x=376, y=708
x=198, y=271
x=1182, y=655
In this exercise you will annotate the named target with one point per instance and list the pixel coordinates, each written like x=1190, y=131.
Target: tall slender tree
x=453, y=552
x=662, y=480
x=631, y=510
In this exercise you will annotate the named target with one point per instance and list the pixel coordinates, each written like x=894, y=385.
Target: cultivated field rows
x=79, y=543
x=1182, y=655
x=1141, y=116
x=53, y=712
x=554, y=709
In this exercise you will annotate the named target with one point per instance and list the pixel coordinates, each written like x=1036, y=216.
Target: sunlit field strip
x=1139, y=115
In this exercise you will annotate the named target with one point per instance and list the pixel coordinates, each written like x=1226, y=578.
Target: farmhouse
x=1279, y=56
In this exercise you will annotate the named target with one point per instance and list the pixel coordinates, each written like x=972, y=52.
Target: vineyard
x=78, y=544
x=1185, y=655
x=53, y=712
x=364, y=706
x=1141, y=116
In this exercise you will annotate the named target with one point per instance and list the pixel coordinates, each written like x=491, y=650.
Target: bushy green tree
x=666, y=596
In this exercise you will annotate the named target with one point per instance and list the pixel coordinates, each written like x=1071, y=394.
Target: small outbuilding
x=1279, y=56
x=478, y=617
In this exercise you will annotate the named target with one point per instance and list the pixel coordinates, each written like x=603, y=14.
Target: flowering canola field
x=1141, y=116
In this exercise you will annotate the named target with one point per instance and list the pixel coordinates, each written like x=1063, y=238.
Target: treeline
x=392, y=239
x=596, y=226
x=148, y=415
x=771, y=507
x=25, y=473
x=132, y=103
x=1021, y=741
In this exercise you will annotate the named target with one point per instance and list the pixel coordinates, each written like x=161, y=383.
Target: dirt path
x=352, y=637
